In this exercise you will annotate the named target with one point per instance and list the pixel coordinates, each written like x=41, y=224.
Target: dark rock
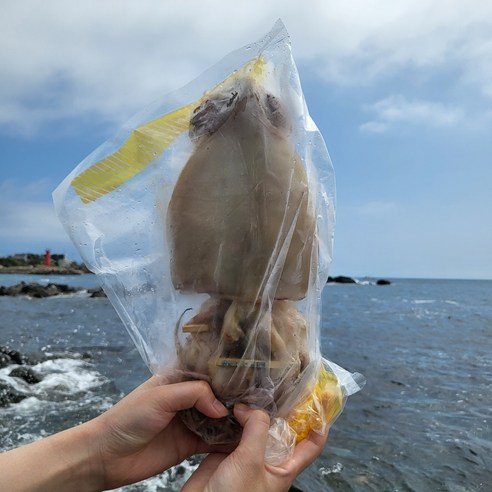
x=10, y=291
x=17, y=357
x=10, y=356
x=27, y=374
x=64, y=288
x=398, y=383
x=5, y=360
x=382, y=281
x=36, y=290
x=33, y=359
x=9, y=395
x=96, y=292
x=342, y=280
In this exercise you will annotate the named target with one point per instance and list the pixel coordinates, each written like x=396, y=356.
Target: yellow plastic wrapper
x=209, y=221
x=318, y=409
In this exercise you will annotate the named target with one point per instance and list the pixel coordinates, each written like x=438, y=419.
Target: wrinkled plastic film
x=210, y=224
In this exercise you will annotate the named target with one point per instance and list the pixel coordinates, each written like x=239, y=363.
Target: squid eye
x=212, y=114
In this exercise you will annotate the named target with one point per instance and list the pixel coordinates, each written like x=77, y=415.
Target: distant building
x=60, y=260
x=31, y=258
x=23, y=256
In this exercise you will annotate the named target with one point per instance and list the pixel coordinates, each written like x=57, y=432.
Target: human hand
x=142, y=435
x=245, y=468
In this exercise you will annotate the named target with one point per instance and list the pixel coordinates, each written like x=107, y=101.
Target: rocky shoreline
x=38, y=291
x=43, y=270
x=341, y=279
x=81, y=270
x=22, y=369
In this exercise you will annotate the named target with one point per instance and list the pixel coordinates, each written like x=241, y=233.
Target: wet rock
x=64, y=288
x=9, y=395
x=383, y=281
x=96, y=292
x=398, y=383
x=4, y=349
x=17, y=357
x=27, y=374
x=5, y=360
x=33, y=359
x=36, y=290
x=341, y=280
x=9, y=356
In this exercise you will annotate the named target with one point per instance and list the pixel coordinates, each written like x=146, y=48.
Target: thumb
x=256, y=424
x=172, y=398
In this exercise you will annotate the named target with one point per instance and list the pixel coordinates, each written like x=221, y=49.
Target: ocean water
x=422, y=422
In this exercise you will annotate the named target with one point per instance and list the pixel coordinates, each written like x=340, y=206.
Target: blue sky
x=401, y=91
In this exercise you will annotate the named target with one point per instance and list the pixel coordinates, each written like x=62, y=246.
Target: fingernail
x=219, y=407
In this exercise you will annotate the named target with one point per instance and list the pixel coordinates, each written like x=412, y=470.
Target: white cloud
x=69, y=59
x=27, y=213
x=396, y=109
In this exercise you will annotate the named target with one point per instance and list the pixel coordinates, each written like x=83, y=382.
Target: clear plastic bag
x=210, y=227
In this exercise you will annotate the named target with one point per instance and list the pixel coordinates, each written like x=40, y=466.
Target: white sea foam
x=61, y=378
x=424, y=301
x=28, y=404
x=79, y=293
x=70, y=375
x=173, y=479
x=330, y=470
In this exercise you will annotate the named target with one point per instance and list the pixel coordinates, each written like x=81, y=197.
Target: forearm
x=65, y=461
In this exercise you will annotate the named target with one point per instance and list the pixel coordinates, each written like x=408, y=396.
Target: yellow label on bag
x=144, y=145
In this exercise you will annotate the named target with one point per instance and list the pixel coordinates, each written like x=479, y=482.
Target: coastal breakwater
x=44, y=270
x=36, y=290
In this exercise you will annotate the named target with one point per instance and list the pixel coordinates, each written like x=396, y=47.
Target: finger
x=202, y=474
x=306, y=452
x=256, y=424
x=180, y=396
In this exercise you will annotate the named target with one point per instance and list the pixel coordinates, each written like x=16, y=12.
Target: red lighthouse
x=47, y=258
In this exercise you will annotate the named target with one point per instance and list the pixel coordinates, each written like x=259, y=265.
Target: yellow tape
x=144, y=145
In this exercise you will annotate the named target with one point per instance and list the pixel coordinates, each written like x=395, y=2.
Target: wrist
x=77, y=456
x=65, y=461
